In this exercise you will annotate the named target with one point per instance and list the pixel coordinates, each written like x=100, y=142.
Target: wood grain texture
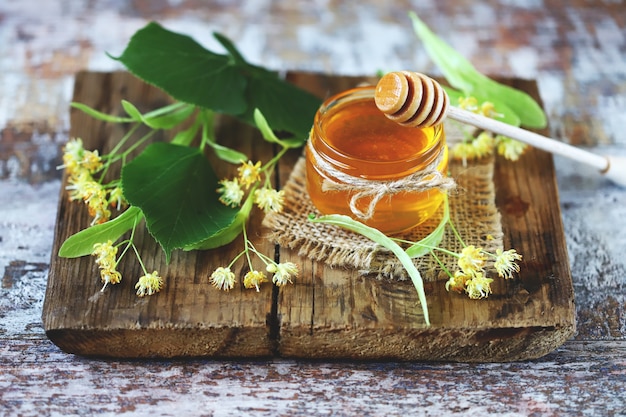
x=334, y=313
x=189, y=318
x=573, y=48
x=327, y=313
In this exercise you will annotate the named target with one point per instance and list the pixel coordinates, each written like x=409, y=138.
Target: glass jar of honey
x=361, y=164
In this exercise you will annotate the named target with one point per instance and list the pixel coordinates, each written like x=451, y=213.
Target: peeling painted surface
x=596, y=247
x=26, y=233
x=575, y=51
x=583, y=44
x=552, y=386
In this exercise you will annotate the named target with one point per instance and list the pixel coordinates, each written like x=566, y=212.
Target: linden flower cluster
x=484, y=144
x=268, y=199
x=106, y=253
x=224, y=279
x=249, y=175
x=471, y=279
x=81, y=165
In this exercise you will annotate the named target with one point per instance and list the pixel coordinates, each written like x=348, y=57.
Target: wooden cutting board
x=327, y=313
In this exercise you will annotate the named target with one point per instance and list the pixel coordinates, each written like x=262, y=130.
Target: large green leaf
x=175, y=188
x=229, y=233
x=184, y=69
x=461, y=74
x=81, y=243
x=223, y=83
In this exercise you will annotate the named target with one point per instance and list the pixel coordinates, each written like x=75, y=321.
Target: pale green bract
x=268, y=134
x=462, y=75
x=81, y=243
x=424, y=246
x=223, y=152
x=383, y=240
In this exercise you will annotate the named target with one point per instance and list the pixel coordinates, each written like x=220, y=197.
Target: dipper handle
x=413, y=99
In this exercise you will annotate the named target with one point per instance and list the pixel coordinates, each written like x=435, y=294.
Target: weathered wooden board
x=327, y=313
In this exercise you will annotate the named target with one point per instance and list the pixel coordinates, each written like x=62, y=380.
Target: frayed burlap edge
x=472, y=211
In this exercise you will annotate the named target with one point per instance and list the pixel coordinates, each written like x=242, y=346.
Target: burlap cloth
x=472, y=211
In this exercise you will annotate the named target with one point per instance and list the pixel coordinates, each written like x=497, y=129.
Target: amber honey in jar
x=360, y=163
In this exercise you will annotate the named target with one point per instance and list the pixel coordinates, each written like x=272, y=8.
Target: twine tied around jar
x=423, y=180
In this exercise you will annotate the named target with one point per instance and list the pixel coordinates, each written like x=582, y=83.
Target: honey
x=361, y=164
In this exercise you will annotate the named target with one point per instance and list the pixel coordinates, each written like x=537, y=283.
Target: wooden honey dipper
x=413, y=99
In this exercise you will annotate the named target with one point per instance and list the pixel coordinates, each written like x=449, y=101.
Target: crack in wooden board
x=327, y=313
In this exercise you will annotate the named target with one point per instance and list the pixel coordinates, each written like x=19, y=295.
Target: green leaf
x=530, y=113
x=229, y=233
x=175, y=188
x=268, y=133
x=170, y=119
x=81, y=243
x=132, y=111
x=99, y=115
x=425, y=245
x=164, y=118
x=230, y=47
x=222, y=152
x=223, y=83
x=461, y=74
x=380, y=238
x=285, y=106
x=185, y=70
x=185, y=137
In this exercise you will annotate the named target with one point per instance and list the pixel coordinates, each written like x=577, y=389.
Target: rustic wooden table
x=574, y=49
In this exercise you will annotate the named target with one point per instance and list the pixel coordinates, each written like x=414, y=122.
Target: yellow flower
x=283, y=272
x=254, y=279
x=463, y=151
x=472, y=260
x=269, y=199
x=76, y=159
x=478, y=286
x=248, y=173
x=72, y=156
x=105, y=253
x=468, y=103
x=97, y=206
x=231, y=192
x=505, y=262
x=483, y=144
x=511, y=149
x=82, y=186
x=149, y=284
x=91, y=161
x=457, y=282
x=488, y=109
x=480, y=146
x=105, y=259
x=110, y=276
x=223, y=279
x=116, y=198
